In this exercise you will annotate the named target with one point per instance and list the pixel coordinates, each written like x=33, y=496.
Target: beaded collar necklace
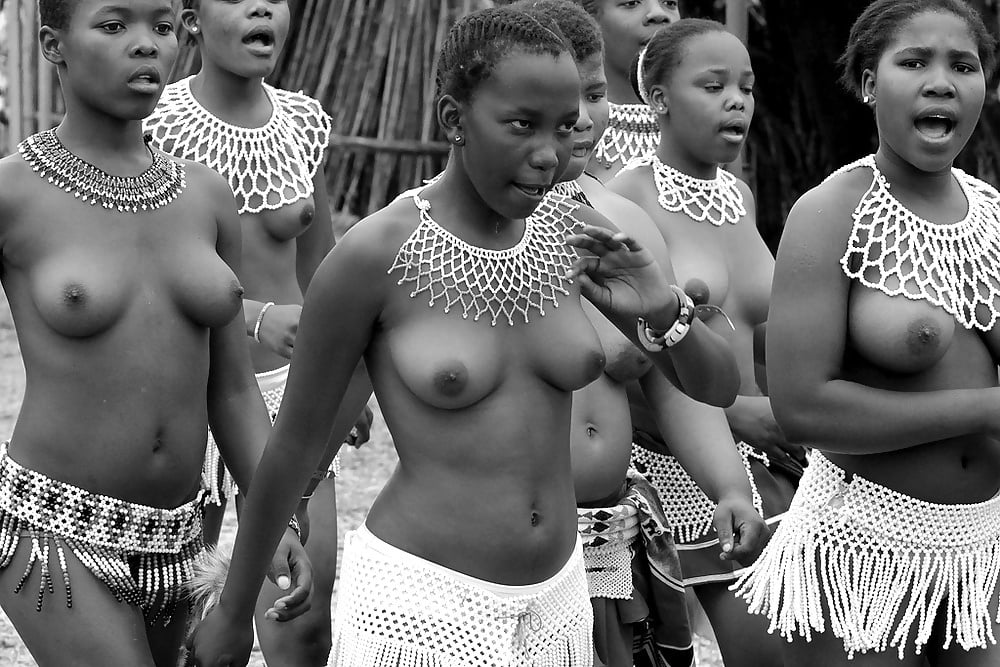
x=485, y=283
x=268, y=166
x=716, y=200
x=157, y=186
x=632, y=132
x=953, y=266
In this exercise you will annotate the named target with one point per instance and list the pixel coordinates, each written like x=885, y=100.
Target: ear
x=658, y=100
x=50, y=42
x=868, y=84
x=189, y=19
x=449, y=117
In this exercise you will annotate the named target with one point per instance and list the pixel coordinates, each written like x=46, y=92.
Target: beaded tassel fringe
x=883, y=565
x=688, y=509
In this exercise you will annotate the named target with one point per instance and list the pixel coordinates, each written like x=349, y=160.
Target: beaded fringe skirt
x=398, y=609
x=877, y=568
x=142, y=554
x=215, y=477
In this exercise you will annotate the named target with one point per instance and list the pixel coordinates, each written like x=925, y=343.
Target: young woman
x=269, y=144
x=120, y=265
x=464, y=301
x=632, y=129
x=633, y=573
x=882, y=354
x=698, y=80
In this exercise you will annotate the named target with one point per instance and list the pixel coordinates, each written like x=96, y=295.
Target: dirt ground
x=363, y=472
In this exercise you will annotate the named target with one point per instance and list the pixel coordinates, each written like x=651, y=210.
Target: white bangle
x=657, y=341
x=260, y=318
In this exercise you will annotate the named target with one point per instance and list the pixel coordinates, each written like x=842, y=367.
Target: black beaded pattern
x=159, y=185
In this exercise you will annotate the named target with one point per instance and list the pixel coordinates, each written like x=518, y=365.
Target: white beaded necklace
x=632, y=132
x=267, y=167
x=717, y=200
x=953, y=266
x=495, y=283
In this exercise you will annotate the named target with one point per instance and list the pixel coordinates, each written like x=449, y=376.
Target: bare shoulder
x=624, y=213
x=827, y=208
x=630, y=183
x=374, y=241
x=19, y=186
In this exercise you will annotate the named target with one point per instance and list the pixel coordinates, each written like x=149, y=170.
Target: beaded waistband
x=75, y=513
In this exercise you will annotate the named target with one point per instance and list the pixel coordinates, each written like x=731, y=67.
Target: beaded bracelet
x=260, y=318
x=293, y=523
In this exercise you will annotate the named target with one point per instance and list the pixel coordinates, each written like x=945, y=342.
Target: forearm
x=702, y=364
x=355, y=398
x=850, y=418
x=699, y=437
x=263, y=521
x=240, y=427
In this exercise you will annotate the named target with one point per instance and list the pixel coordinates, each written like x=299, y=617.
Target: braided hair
x=480, y=40
x=656, y=63
x=55, y=13
x=881, y=21
x=577, y=26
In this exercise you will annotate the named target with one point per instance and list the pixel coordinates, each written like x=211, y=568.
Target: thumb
x=280, y=572
x=724, y=527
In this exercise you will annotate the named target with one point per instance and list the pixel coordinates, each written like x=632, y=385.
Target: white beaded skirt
x=877, y=568
x=397, y=609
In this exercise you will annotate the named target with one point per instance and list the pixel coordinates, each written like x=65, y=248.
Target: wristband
x=657, y=340
x=260, y=318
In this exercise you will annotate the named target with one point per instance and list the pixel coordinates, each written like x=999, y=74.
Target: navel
x=452, y=381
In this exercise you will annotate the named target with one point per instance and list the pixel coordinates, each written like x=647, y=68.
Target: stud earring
x=194, y=29
x=459, y=140
x=868, y=99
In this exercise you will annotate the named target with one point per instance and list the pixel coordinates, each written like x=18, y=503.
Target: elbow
x=799, y=424
x=719, y=388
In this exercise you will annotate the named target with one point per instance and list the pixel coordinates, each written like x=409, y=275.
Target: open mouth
x=735, y=130
x=262, y=37
x=145, y=77
x=531, y=190
x=935, y=125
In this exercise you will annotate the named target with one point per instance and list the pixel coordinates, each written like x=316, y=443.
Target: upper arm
x=315, y=242
x=339, y=318
x=807, y=323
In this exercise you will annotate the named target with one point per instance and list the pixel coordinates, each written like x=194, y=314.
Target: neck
x=458, y=199
x=234, y=99
x=673, y=154
x=924, y=184
x=112, y=144
x=620, y=88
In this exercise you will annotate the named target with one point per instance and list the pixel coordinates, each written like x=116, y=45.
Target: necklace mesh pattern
x=688, y=509
x=716, y=200
x=159, y=185
x=497, y=284
x=632, y=132
x=953, y=266
x=267, y=167
x=573, y=190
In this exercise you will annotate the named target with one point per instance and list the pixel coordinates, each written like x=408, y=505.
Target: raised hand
x=619, y=276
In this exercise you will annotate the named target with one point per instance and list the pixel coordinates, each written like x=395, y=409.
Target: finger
x=591, y=245
x=583, y=266
x=280, y=571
